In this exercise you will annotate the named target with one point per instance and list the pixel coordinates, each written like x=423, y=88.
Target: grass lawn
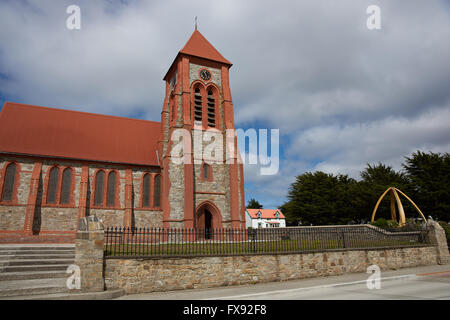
x=244, y=247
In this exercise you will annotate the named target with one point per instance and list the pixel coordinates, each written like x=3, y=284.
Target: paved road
x=432, y=282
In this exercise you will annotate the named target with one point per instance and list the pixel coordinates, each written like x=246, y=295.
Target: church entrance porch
x=207, y=218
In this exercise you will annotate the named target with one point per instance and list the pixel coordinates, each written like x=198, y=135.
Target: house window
x=146, y=190
x=8, y=186
x=211, y=110
x=157, y=191
x=259, y=225
x=66, y=186
x=53, y=185
x=111, y=191
x=99, y=181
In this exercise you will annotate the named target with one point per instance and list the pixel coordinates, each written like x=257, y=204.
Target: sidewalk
x=258, y=291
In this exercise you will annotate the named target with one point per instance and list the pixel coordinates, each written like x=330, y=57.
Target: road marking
x=432, y=273
x=408, y=276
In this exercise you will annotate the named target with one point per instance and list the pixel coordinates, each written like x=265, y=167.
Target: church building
x=57, y=166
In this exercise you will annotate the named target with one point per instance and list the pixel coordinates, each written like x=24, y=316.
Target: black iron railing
x=161, y=242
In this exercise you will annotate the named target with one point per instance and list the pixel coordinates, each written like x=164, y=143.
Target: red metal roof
x=42, y=131
x=198, y=46
x=265, y=213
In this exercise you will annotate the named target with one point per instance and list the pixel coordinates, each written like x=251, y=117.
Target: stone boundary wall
x=150, y=275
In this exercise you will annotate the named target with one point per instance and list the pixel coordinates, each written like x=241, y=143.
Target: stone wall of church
x=64, y=217
x=12, y=215
x=176, y=193
x=217, y=191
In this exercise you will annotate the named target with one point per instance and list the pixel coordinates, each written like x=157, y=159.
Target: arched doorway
x=207, y=218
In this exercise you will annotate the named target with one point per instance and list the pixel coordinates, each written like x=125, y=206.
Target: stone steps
x=34, y=270
x=32, y=287
x=30, y=275
x=37, y=262
x=109, y=294
x=30, y=268
x=37, y=256
x=38, y=272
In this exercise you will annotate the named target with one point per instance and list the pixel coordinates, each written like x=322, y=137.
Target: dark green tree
x=254, y=204
x=429, y=174
x=375, y=180
x=320, y=199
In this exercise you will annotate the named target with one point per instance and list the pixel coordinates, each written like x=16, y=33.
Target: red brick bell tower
x=200, y=193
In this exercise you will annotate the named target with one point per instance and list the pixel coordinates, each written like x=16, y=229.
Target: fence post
x=437, y=237
x=89, y=251
x=343, y=238
x=253, y=234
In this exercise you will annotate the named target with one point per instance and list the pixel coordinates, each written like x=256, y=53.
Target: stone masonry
x=89, y=246
x=438, y=238
x=150, y=275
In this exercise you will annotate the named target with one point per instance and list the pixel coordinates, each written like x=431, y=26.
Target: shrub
x=385, y=224
x=446, y=228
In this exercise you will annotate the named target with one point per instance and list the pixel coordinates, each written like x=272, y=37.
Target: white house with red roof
x=264, y=218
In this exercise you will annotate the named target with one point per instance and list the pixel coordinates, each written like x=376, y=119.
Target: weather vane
x=195, y=22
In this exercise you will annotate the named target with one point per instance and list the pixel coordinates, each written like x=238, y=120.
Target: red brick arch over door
x=208, y=218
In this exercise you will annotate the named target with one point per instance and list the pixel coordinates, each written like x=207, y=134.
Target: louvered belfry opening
x=211, y=109
x=198, y=105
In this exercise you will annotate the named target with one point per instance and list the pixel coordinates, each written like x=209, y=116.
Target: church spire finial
x=195, y=22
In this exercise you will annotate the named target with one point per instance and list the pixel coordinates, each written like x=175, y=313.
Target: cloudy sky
x=340, y=94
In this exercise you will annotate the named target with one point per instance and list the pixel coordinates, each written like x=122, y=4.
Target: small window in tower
x=211, y=109
x=206, y=171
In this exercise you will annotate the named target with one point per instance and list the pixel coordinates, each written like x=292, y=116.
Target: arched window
x=53, y=185
x=8, y=186
x=146, y=190
x=111, y=192
x=66, y=186
x=211, y=109
x=198, y=105
x=157, y=192
x=99, y=181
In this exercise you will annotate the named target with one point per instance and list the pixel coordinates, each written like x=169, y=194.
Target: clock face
x=205, y=75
